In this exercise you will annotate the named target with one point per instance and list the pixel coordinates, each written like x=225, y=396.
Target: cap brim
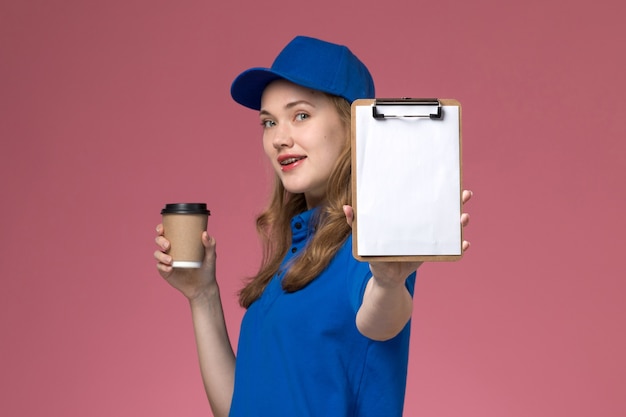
x=247, y=89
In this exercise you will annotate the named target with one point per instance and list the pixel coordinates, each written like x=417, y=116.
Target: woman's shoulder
x=351, y=273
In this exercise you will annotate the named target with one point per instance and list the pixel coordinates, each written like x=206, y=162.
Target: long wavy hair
x=274, y=229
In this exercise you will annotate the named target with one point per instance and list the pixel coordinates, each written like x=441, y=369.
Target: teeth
x=289, y=161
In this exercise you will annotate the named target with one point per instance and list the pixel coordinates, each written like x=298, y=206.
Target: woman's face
x=303, y=136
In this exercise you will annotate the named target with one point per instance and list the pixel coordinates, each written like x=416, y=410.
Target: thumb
x=209, y=245
x=349, y=212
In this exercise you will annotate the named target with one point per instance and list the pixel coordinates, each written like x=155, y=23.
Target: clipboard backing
x=406, y=180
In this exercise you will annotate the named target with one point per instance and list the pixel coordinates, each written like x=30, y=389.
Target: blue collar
x=302, y=226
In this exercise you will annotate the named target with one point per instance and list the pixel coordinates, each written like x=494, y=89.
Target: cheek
x=330, y=157
x=335, y=145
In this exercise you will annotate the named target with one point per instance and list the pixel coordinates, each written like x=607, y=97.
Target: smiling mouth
x=290, y=161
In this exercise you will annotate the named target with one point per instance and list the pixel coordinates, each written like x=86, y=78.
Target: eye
x=301, y=116
x=267, y=123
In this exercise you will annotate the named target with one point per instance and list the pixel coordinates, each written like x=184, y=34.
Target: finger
x=162, y=243
x=164, y=269
x=163, y=258
x=159, y=229
x=349, y=212
x=465, y=245
x=466, y=195
x=209, y=249
x=465, y=218
x=207, y=240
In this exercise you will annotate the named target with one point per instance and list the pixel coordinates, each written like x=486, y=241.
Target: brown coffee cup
x=183, y=224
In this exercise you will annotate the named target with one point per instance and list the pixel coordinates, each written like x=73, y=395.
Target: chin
x=294, y=190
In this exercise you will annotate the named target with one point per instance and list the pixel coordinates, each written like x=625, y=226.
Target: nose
x=282, y=136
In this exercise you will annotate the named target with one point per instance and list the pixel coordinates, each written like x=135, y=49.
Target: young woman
x=323, y=334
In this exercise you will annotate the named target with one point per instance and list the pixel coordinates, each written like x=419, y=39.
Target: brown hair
x=274, y=229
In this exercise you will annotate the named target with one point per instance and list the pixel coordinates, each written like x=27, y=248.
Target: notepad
x=406, y=179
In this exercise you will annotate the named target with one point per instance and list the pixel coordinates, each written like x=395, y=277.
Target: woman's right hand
x=192, y=282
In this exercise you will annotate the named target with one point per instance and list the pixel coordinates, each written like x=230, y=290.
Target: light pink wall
x=108, y=110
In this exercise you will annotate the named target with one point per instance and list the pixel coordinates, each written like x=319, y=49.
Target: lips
x=288, y=162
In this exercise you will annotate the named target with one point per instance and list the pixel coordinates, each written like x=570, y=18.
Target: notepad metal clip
x=430, y=102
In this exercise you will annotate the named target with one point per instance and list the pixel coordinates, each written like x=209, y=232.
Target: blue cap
x=310, y=63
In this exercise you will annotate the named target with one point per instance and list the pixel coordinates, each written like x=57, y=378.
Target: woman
x=323, y=334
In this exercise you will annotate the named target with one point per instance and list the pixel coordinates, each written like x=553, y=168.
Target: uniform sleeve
x=358, y=274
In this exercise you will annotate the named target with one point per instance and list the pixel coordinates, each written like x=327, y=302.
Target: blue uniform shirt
x=300, y=354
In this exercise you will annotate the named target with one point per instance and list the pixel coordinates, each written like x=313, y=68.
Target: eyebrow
x=289, y=105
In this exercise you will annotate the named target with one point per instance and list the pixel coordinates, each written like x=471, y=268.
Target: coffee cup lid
x=186, y=208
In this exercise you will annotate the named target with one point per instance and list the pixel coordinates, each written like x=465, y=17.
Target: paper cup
x=183, y=224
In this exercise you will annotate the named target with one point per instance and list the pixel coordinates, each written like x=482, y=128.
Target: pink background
x=110, y=109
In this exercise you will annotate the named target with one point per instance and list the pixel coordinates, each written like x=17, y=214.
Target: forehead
x=282, y=92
